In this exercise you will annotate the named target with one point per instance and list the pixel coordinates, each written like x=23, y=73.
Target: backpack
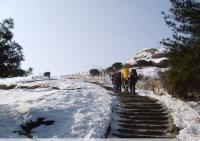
x=133, y=74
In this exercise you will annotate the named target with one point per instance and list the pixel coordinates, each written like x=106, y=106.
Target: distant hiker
x=118, y=82
x=125, y=75
x=113, y=79
x=132, y=80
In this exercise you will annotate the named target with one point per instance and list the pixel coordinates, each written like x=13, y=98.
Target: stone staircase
x=135, y=116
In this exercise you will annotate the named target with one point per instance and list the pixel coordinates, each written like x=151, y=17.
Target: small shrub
x=29, y=71
x=159, y=55
x=47, y=74
x=173, y=129
x=140, y=77
x=145, y=63
x=94, y=72
x=163, y=64
x=177, y=87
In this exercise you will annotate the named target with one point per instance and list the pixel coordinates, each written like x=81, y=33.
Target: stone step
x=139, y=107
x=127, y=95
x=139, y=110
x=141, y=132
x=137, y=136
x=158, y=118
x=142, y=113
x=133, y=122
x=130, y=99
x=144, y=126
x=142, y=105
x=137, y=102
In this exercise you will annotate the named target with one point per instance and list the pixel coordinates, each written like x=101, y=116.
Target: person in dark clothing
x=132, y=81
x=113, y=79
x=118, y=82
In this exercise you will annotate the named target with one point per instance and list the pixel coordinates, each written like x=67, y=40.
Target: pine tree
x=184, y=56
x=10, y=52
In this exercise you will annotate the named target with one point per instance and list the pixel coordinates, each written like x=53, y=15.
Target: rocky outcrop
x=150, y=57
x=162, y=64
x=5, y=87
x=26, y=129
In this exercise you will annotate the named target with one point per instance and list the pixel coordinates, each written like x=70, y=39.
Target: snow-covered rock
x=149, y=62
x=149, y=55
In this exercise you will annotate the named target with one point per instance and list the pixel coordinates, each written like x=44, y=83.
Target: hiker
x=125, y=75
x=113, y=79
x=132, y=80
x=118, y=82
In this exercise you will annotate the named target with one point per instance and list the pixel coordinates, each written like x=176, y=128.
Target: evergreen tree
x=10, y=52
x=47, y=74
x=184, y=56
x=29, y=71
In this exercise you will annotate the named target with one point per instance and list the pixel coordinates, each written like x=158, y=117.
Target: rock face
x=150, y=57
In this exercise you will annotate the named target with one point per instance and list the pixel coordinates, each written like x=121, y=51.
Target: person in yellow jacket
x=125, y=76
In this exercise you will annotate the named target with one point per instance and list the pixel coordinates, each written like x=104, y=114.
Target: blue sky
x=69, y=36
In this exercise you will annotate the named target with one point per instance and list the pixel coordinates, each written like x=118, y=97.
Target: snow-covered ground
x=150, y=72
x=186, y=116
x=79, y=109
x=22, y=80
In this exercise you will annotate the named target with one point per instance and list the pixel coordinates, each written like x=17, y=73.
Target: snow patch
x=79, y=109
x=185, y=117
